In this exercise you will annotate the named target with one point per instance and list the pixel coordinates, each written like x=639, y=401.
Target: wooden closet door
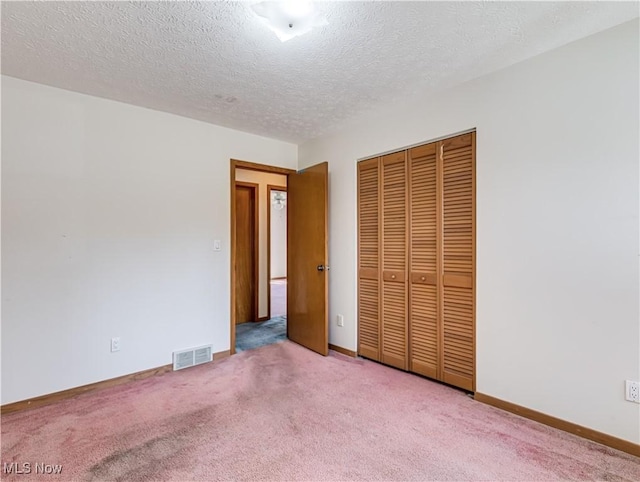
x=458, y=253
x=423, y=270
x=369, y=259
x=394, y=260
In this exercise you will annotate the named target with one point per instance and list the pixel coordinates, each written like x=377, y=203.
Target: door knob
x=322, y=267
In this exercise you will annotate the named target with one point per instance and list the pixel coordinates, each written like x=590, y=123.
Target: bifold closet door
x=416, y=260
x=369, y=258
x=394, y=260
x=423, y=269
x=458, y=253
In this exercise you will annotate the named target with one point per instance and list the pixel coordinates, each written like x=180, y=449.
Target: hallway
x=253, y=335
x=278, y=297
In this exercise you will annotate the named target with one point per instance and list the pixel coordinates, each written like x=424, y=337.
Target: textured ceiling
x=217, y=62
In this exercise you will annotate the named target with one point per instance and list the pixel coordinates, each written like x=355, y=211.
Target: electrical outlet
x=632, y=391
x=115, y=344
x=340, y=320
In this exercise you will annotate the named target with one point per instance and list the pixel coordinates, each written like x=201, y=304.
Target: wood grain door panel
x=307, y=248
x=246, y=253
x=423, y=306
x=416, y=260
x=394, y=260
x=369, y=259
x=458, y=253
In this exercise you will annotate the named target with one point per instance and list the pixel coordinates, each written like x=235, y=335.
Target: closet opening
x=416, y=259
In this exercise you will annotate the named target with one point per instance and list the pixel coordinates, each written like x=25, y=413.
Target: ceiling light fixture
x=279, y=200
x=289, y=19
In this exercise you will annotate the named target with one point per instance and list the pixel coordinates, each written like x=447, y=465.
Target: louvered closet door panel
x=423, y=307
x=369, y=259
x=458, y=313
x=394, y=256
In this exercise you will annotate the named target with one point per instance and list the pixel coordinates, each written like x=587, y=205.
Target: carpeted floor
x=281, y=412
x=254, y=335
x=278, y=297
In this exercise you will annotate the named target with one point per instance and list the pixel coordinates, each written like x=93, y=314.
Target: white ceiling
x=217, y=62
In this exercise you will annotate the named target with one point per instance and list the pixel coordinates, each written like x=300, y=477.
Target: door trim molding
x=252, y=166
x=238, y=164
x=564, y=425
x=418, y=144
x=271, y=187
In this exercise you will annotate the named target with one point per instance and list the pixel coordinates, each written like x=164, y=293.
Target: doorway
x=277, y=250
x=267, y=243
x=305, y=194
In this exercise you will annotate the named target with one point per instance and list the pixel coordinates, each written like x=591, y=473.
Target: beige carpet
x=278, y=297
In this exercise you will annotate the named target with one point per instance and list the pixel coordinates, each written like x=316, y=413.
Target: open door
x=307, y=286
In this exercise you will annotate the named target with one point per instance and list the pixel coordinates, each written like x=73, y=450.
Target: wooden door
x=369, y=258
x=458, y=261
x=246, y=252
x=307, y=249
x=423, y=270
x=394, y=260
x=416, y=260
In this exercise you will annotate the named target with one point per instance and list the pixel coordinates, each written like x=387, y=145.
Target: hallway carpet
x=254, y=335
x=282, y=412
x=278, y=297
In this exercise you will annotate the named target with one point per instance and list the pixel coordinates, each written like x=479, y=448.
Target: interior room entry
x=246, y=305
x=306, y=253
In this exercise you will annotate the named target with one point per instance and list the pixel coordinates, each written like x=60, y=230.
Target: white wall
x=109, y=213
x=263, y=179
x=557, y=223
x=278, y=241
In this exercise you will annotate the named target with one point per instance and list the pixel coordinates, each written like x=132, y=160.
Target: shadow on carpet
x=285, y=413
x=253, y=335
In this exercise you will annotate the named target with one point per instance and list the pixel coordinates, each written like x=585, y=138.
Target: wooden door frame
x=256, y=243
x=271, y=187
x=251, y=166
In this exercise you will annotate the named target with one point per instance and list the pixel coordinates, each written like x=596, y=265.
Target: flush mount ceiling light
x=289, y=19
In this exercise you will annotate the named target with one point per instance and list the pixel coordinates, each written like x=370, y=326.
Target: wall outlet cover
x=632, y=391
